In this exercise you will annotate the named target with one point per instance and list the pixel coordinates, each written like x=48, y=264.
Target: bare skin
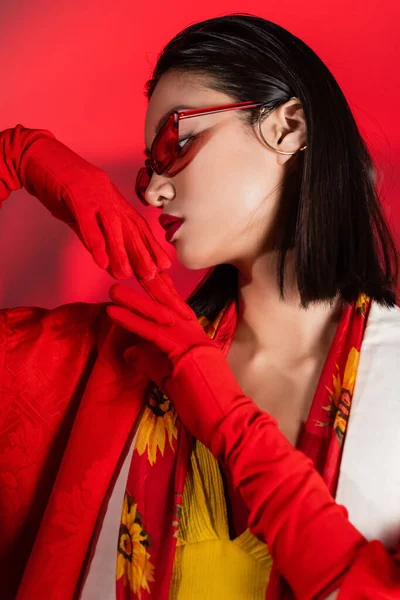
x=278, y=361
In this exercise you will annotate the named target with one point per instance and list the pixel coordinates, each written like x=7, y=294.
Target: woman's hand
x=83, y=196
x=159, y=347
x=116, y=234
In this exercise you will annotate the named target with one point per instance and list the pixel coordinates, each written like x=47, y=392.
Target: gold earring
x=262, y=111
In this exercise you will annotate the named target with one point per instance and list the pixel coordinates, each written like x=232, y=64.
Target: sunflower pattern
x=159, y=421
x=341, y=393
x=133, y=564
x=210, y=327
x=362, y=303
x=340, y=396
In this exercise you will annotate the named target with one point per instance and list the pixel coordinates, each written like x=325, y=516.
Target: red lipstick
x=172, y=229
x=171, y=224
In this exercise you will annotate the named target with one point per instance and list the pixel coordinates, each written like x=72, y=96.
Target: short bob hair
x=336, y=224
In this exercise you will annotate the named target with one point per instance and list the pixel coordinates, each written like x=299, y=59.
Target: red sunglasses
x=166, y=156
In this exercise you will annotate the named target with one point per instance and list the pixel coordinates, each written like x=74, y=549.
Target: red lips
x=166, y=220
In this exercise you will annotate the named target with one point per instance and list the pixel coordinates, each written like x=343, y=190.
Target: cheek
x=220, y=193
x=224, y=183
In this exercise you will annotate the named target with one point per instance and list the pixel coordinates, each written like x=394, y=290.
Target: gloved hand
x=81, y=195
x=307, y=532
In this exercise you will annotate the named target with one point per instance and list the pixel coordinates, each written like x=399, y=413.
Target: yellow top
x=208, y=564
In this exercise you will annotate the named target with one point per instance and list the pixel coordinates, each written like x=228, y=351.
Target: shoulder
x=26, y=326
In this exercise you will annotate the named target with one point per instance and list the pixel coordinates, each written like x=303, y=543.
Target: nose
x=159, y=188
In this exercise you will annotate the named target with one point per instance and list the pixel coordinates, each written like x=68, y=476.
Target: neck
x=280, y=328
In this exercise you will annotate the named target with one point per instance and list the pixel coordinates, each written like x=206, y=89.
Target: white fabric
x=100, y=582
x=369, y=479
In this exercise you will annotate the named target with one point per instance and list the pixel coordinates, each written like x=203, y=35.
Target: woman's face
x=229, y=193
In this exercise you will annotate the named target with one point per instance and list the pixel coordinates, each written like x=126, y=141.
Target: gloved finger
x=138, y=229
x=149, y=309
x=161, y=288
x=93, y=238
x=115, y=245
x=161, y=257
x=138, y=249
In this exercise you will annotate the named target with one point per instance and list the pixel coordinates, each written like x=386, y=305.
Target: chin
x=194, y=265
x=192, y=260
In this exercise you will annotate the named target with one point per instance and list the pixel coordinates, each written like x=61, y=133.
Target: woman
x=228, y=446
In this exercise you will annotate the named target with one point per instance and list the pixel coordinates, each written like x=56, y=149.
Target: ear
x=285, y=128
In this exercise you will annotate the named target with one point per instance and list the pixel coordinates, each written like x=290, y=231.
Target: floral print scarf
x=156, y=479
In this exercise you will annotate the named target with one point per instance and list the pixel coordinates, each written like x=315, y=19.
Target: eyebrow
x=164, y=118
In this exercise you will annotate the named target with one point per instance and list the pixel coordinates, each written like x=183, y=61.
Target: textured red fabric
x=68, y=405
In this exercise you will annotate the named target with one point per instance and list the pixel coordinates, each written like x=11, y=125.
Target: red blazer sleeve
x=374, y=574
x=46, y=357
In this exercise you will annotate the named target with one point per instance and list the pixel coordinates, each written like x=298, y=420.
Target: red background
x=78, y=68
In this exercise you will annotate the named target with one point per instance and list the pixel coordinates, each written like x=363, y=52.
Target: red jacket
x=69, y=402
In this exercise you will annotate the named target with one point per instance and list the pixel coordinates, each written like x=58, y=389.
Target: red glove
x=82, y=196
x=308, y=534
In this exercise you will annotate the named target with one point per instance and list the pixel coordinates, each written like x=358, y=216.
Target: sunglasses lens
x=164, y=147
x=167, y=156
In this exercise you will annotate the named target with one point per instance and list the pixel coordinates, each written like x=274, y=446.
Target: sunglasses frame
x=172, y=124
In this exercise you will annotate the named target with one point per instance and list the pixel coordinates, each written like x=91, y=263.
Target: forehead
x=187, y=90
